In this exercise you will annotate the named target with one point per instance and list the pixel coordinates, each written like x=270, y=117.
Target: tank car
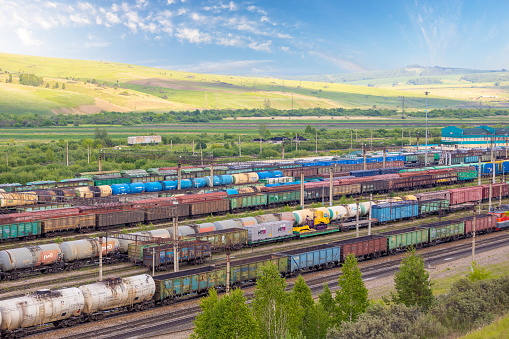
x=61, y=307
x=133, y=293
x=18, y=261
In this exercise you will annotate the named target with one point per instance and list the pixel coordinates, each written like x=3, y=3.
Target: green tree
x=272, y=306
x=326, y=300
x=412, y=282
x=262, y=130
x=50, y=155
x=478, y=273
x=228, y=317
x=352, y=298
x=63, y=86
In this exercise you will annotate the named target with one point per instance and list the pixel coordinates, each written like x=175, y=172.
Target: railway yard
x=131, y=232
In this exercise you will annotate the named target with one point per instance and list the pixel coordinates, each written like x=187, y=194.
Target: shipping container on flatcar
x=367, y=247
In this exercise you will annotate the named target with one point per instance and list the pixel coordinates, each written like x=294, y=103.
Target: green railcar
x=246, y=270
x=188, y=282
x=444, y=230
x=20, y=230
x=112, y=181
x=403, y=238
x=275, y=198
x=467, y=175
x=248, y=201
x=433, y=206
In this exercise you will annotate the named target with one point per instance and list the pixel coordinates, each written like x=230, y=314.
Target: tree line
x=411, y=311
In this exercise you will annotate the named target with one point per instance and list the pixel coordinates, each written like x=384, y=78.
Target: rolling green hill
x=94, y=86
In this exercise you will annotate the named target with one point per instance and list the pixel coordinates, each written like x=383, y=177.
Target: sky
x=262, y=38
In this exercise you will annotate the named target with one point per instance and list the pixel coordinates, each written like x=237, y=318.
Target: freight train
x=101, y=217
x=68, y=307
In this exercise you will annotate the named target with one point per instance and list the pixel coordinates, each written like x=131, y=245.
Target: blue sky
x=273, y=38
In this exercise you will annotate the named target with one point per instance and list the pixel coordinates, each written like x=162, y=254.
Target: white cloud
x=112, y=18
x=26, y=37
x=260, y=47
x=254, y=9
x=192, y=35
x=285, y=48
x=169, y=2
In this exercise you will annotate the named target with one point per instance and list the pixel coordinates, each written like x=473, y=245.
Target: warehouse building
x=480, y=136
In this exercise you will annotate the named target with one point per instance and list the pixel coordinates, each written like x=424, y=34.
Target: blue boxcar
x=394, y=211
x=486, y=168
x=313, y=257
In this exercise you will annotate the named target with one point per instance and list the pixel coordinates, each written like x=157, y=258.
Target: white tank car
x=43, y=307
x=118, y=292
x=87, y=248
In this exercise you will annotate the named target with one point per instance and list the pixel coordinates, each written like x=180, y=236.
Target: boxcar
x=20, y=230
x=311, y=258
x=444, y=231
x=484, y=223
x=443, y=195
x=247, y=201
x=370, y=246
x=245, y=270
x=188, y=282
x=435, y=206
x=124, y=217
x=395, y=211
x=347, y=189
x=375, y=186
x=234, y=238
x=217, y=206
x=403, y=238
x=81, y=223
x=275, y=198
x=188, y=251
x=465, y=194
x=495, y=191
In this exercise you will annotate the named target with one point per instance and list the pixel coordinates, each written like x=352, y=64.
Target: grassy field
x=498, y=330
x=144, y=88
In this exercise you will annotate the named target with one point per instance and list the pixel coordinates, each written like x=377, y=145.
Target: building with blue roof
x=480, y=136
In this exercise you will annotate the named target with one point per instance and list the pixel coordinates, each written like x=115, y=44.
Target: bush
x=394, y=322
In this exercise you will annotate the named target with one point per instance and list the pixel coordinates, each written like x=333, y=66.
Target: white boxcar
x=156, y=139
x=269, y=231
x=118, y=292
x=43, y=307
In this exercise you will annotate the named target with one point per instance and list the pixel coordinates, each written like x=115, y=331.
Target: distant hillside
x=48, y=86
x=409, y=71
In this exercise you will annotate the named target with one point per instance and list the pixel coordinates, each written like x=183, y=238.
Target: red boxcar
x=495, y=190
x=370, y=246
x=465, y=194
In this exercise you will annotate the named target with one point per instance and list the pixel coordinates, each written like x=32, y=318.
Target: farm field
x=243, y=126
x=95, y=86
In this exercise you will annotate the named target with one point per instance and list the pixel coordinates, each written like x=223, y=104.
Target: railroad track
x=161, y=322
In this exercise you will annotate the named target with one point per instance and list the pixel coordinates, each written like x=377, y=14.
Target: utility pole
x=371, y=141
x=302, y=189
x=171, y=145
x=283, y=150
x=67, y=152
x=175, y=245
x=211, y=174
x=88, y=153
x=473, y=239
x=296, y=141
x=369, y=216
x=331, y=183
x=100, y=165
x=101, y=257
x=316, y=143
x=179, y=176
x=193, y=147
x=260, y=147
x=228, y=270
x=357, y=219
x=364, y=156
x=491, y=193
x=356, y=135
x=479, y=173
x=426, y=152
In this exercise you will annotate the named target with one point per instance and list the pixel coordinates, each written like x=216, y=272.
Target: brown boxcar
x=157, y=213
x=370, y=246
x=495, y=190
x=484, y=223
x=374, y=186
x=74, y=222
x=120, y=217
x=217, y=206
x=465, y=194
x=188, y=251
